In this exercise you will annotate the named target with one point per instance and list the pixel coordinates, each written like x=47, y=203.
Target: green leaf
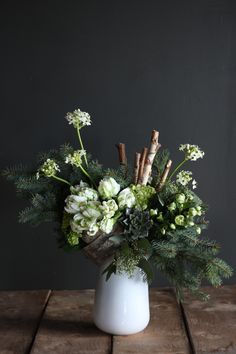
x=147, y=269
x=144, y=247
x=109, y=270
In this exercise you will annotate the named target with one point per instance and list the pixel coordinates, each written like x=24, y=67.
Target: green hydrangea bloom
x=73, y=238
x=142, y=195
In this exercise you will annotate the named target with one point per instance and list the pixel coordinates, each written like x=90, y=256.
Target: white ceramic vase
x=121, y=303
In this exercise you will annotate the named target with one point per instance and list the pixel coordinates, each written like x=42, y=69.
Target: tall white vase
x=121, y=303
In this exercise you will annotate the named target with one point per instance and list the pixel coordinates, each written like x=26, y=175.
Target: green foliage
x=45, y=195
x=159, y=164
x=95, y=170
x=109, y=270
x=16, y=172
x=126, y=259
x=186, y=260
x=157, y=240
x=122, y=175
x=146, y=267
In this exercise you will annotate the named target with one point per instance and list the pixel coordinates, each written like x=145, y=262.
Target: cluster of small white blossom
x=78, y=118
x=48, y=169
x=75, y=159
x=192, y=152
x=194, y=184
x=184, y=177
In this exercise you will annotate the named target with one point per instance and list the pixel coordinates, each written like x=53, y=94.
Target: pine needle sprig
x=159, y=164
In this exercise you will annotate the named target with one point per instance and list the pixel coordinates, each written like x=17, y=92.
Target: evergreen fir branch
x=159, y=164
x=65, y=150
x=190, y=237
x=74, y=175
x=44, y=202
x=34, y=217
x=31, y=185
x=14, y=173
x=95, y=170
x=43, y=156
x=216, y=269
x=165, y=248
x=167, y=192
x=122, y=175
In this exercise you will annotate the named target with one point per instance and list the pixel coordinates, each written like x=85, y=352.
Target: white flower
x=126, y=198
x=91, y=210
x=75, y=159
x=84, y=225
x=108, y=188
x=93, y=229
x=192, y=152
x=194, y=184
x=84, y=191
x=106, y=225
x=78, y=118
x=73, y=203
x=109, y=208
x=89, y=215
x=48, y=169
x=184, y=177
x=81, y=195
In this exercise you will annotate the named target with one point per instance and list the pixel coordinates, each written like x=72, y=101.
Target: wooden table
x=46, y=321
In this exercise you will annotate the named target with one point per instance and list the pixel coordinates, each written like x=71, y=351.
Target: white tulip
x=108, y=188
x=126, y=198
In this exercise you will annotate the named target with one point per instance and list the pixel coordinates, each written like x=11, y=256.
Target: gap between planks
x=187, y=329
x=39, y=321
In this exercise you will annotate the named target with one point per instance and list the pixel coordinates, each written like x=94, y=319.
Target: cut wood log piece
x=154, y=147
x=122, y=154
x=142, y=161
x=136, y=167
x=164, y=176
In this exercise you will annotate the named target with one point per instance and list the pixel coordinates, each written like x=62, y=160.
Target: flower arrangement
x=146, y=216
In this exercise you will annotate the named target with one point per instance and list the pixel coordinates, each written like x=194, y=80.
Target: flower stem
x=176, y=169
x=82, y=145
x=117, y=216
x=61, y=180
x=86, y=174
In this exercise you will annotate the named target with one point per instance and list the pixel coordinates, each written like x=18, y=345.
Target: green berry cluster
x=181, y=212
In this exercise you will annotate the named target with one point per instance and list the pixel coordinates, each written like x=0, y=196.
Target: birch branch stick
x=164, y=176
x=136, y=167
x=122, y=154
x=150, y=157
x=142, y=161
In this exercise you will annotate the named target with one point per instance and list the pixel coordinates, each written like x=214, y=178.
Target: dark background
x=134, y=66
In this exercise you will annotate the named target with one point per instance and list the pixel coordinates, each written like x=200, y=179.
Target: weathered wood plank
x=212, y=324
x=20, y=313
x=67, y=326
x=165, y=333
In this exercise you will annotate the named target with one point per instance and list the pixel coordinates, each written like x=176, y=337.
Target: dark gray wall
x=134, y=65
